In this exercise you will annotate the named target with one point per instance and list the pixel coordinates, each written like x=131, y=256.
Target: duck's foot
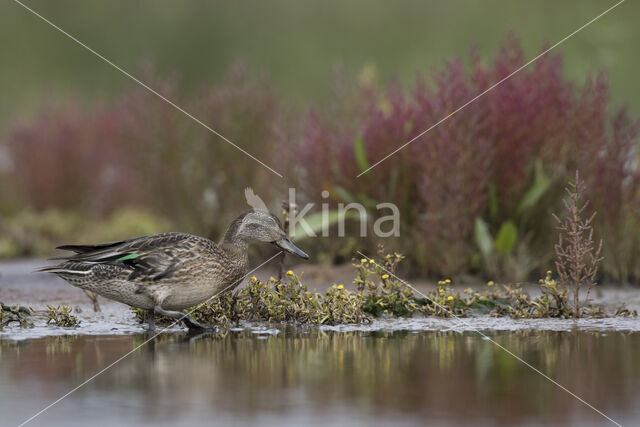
x=150, y=317
x=184, y=318
x=196, y=326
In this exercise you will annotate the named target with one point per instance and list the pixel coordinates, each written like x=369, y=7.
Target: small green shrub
x=61, y=316
x=16, y=313
x=383, y=294
x=286, y=301
x=274, y=301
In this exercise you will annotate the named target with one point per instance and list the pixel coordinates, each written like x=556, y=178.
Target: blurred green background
x=296, y=43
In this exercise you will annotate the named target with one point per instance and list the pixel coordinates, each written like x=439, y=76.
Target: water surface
x=290, y=376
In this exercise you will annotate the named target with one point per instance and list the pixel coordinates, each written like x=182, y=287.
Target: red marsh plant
x=472, y=191
x=577, y=255
x=68, y=158
x=613, y=185
x=141, y=151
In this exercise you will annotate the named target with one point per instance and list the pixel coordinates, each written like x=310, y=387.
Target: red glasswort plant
x=68, y=158
x=141, y=151
x=481, y=162
x=479, y=166
x=577, y=256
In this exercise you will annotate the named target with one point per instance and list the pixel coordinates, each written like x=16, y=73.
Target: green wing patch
x=127, y=257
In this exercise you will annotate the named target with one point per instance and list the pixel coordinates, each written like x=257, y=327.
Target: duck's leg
x=151, y=317
x=184, y=318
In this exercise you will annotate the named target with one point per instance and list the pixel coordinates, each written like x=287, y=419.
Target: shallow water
x=319, y=376
x=402, y=371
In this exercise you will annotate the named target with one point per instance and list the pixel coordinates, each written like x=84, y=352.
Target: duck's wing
x=149, y=258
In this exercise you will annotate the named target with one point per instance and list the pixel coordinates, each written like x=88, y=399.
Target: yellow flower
x=254, y=278
x=340, y=287
x=388, y=256
x=449, y=298
x=441, y=291
x=371, y=261
x=447, y=281
x=385, y=276
x=363, y=260
x=490, y=283
x=289, y=273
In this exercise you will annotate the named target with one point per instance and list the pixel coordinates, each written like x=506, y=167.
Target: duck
x=168, y=272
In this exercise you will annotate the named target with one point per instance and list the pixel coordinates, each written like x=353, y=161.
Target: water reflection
x=311, y=375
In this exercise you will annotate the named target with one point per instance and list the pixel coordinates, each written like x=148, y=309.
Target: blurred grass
x=297, y=44
x=36, y=233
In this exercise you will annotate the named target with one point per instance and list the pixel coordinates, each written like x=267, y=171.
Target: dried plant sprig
x=577, y=255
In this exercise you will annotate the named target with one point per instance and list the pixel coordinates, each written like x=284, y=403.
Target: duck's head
x=261, y=226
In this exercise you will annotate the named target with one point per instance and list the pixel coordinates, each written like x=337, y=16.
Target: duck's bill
x=286, y=244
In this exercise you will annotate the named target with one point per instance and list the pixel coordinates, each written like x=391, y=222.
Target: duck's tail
x=63, y=269
x=83, y=259
x=77, y=273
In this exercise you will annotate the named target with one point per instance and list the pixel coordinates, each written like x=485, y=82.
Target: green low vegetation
x=61, y=316
x=380, y=294
x=15, y=314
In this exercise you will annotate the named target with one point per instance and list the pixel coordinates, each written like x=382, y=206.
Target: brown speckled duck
x=167, y=272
